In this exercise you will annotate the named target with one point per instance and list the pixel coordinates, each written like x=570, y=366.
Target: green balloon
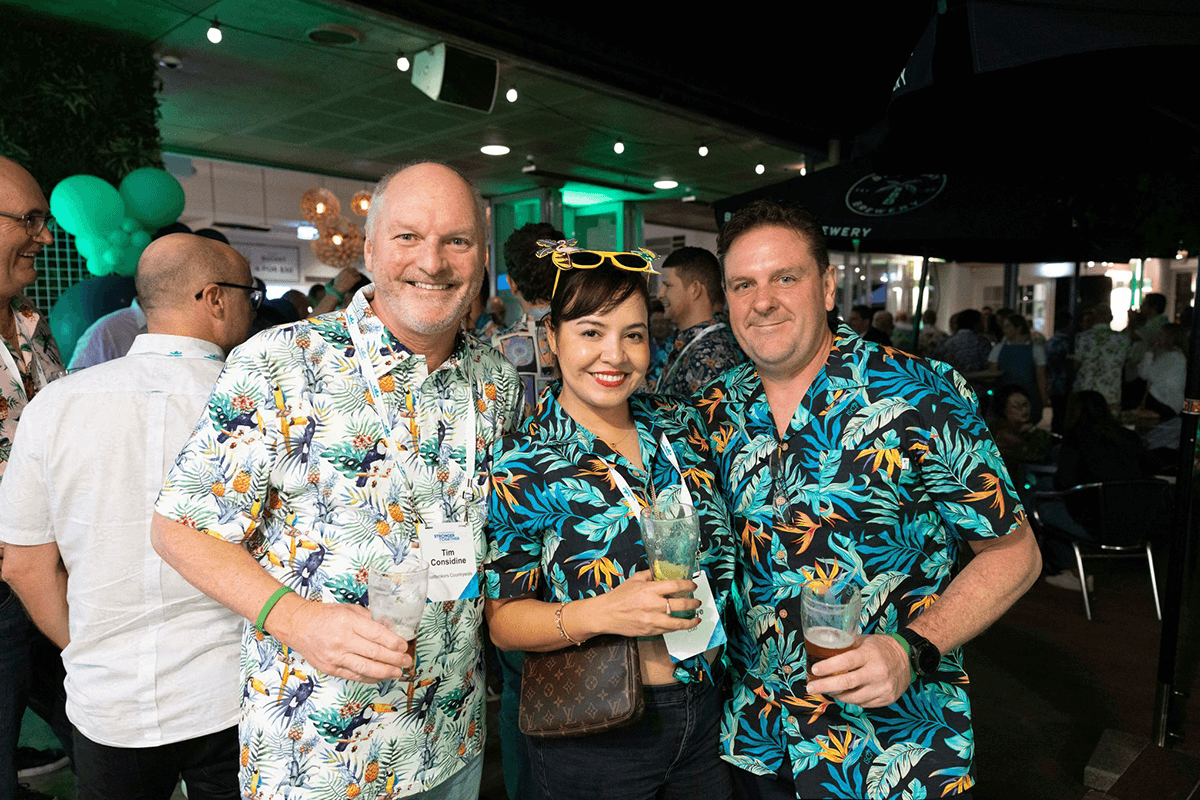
x=118, y=238
x=112, y=256
x=98, y=266
x=130, y=225
x=88, y=247
x=87, y=206
x=138, y=240
x=153, y=197
x=129, y=262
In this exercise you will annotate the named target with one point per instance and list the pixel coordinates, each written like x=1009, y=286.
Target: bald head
x=424, y=170
x=172, y=269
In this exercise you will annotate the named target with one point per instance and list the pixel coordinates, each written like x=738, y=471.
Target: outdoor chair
x=1122, y=517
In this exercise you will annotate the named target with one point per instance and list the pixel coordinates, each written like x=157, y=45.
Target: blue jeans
x=671, y=753
x=31, y=671
x=513, y=752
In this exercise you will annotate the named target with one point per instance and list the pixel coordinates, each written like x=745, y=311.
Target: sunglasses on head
x=566, y=255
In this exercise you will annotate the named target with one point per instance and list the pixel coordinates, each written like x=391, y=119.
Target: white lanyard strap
x=631, y=501
x=363, y=361
x=679, y=359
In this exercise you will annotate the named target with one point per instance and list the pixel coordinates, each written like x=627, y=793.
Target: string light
x=214, y=32
x=760, y=169
x=703, y=150
x=665, y=183
x=619, y=147
x=402, y=62
x=511, y=94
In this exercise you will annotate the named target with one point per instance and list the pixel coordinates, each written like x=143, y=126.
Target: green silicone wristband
x=266, y=609
x=912, y=673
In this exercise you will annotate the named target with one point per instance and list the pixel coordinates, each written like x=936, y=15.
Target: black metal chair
x=1122, y=516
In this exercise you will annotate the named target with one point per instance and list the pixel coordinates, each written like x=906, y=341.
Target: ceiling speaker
x=452, y=75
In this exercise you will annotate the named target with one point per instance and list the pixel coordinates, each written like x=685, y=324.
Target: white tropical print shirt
x=25, y=372
x=292, y=461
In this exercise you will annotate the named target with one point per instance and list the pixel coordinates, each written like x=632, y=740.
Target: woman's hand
x=637, y=607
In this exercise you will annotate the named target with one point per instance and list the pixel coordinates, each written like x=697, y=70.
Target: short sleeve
x=1039, y=355
x=24, y=495
x=994, y=355
x=514, y=560
x=964, y=472
x=219, y=482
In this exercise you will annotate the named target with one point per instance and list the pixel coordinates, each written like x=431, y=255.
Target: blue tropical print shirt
x=558, y=526
x=292, y=461
x=884, y=468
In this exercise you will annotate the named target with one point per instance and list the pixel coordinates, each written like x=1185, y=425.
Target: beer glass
x=829, y=614
x=671, y=534
x=396, y=596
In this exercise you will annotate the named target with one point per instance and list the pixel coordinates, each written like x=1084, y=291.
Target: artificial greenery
x=76, y=100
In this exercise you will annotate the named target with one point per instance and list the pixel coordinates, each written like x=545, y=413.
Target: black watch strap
x=923, y=656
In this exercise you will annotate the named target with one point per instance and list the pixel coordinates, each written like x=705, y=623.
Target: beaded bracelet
x=266, y=609
x=558, y=612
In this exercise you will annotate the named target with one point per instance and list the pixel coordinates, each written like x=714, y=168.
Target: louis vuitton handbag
x=583, y=689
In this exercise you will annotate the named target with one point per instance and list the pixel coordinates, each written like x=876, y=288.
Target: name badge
x=708, y=634
x=449, y=549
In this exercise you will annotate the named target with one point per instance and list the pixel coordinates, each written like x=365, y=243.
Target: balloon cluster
x=340, y=243
x=112, y=226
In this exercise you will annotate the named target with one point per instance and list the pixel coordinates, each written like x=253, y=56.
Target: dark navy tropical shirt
x=884, y=469
x=690, y=358
x=558, y=526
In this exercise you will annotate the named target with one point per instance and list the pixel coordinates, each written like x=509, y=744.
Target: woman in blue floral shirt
x=564, y=541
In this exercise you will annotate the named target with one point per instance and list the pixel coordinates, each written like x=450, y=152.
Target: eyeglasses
x=256, y=294
x=34, y=222
x=567, y=256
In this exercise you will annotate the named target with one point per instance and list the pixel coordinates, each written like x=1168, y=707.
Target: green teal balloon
x=112, y=256
x=138, y=240
x=153, y=197
x=98, y=266
x=88, y=247
x=129, y=262
x=87, y=206
x=119, y=238
x=130, y=225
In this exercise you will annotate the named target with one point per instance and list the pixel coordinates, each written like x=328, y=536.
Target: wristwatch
x=923, y=656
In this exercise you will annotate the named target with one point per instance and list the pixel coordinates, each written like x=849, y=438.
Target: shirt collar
x=385, y=351
x=551, y=423
x=161, y=344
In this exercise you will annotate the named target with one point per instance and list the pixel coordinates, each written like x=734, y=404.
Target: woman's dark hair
x=1001, y=396
x=1019, y=322
x=595, y=291
x=1088, y=414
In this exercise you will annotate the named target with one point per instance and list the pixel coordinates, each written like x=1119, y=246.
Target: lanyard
x=679, y=359
x=363, y=360
x=631, y=501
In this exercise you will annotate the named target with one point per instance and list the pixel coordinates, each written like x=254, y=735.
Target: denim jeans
x=208, y=764
x=513, y=753
x=31, y=671
x=671, y=753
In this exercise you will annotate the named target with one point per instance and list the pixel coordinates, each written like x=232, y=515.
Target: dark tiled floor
x=1046, y=683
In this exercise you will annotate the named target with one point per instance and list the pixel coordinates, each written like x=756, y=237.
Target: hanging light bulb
x=402, y=62
x=214, y=32
x=703, y=150
x=336, y=239
x=760, y=169
x=619, y=147
x=511, y=94
x=320, y=208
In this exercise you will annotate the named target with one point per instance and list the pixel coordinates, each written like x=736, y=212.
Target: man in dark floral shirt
x=843, y=461
x=702, y=346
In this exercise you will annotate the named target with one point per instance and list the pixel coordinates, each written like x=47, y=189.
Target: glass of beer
x=396, y=596
x=829, y=614
x=671, y=534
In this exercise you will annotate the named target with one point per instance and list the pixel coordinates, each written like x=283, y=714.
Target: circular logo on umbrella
x=887, y=195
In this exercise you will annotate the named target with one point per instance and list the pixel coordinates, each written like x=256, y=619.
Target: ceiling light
x=666, y=184
x=760, y=169
x=511, y=94
x=703, y=150
x=214, y=32
x=307, y=233
x=402, y=62
x=619, y=147
x=320, y=208
x=803, y=170
x=494, y=150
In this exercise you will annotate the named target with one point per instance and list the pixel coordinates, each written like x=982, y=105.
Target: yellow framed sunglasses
x=565, y=255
